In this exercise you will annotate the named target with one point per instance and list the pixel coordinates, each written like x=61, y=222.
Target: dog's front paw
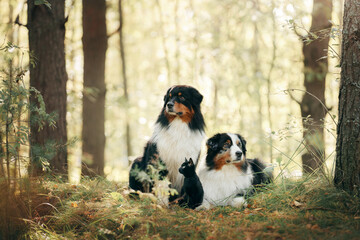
x=239, y=202
x=204, y=206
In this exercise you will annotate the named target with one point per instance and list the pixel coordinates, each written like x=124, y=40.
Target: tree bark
x=315, y=70
x=46, y=41
x=94, y=47
x=347, y=170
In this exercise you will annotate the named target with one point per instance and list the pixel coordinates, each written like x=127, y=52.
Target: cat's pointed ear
x=191, y=161
x=186, y=160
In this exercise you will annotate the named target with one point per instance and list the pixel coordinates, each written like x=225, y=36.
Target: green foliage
x=153, y=176
x=15, y=136
x=15, y=109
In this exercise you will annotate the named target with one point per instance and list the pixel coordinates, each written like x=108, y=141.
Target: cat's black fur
x=192, y=192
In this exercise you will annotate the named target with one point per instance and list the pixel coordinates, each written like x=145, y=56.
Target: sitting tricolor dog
x=178, y=134
x=227, y=175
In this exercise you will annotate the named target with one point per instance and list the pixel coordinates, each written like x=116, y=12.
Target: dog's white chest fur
x=175, y=143
x=222, y=186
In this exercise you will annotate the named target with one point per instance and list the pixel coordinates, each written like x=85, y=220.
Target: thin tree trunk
x=195, y=65
x=215, y=102
x=11, y=78
x=94, y=46
x=2, y=156
x=347, y=171
x=163, y=41
x=177, y=42
x=315, y=70
x=268, y=81
x=256, y=76
x=46, y=40
x=125, y=83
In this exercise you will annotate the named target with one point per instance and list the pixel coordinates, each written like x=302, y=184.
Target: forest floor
x=99, y=209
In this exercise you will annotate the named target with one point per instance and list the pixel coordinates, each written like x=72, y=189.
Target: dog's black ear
x=213, y=142
x=166, y=97
x=196, y=96
x=243, y=143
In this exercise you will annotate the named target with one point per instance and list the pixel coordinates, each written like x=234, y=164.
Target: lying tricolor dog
x=227, y=175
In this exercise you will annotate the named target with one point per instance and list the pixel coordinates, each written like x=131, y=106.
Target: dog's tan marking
x=187, y=114
x=221, y=160
x=169, y=117
x=239, y=165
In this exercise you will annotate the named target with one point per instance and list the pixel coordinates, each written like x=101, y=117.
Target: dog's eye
x=238, y=143
x=182, y=98
x=226, y=146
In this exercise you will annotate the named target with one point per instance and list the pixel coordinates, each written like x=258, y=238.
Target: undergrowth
x=99, y=209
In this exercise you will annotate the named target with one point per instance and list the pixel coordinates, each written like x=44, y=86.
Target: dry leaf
x=220, y=215
x=270, y=227
x=296, y=204
x=234, y=213
x=315, y=227
x=276, y=213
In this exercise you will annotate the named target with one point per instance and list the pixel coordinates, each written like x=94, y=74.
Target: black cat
x=192, y=192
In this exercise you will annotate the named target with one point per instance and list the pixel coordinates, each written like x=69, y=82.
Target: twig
x=19, y=23
x=114, y=32
x=291, y=96
x=322, y=104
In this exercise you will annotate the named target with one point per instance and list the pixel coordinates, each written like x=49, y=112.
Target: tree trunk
x=257, y=76
x=269, y=80
x=46, y=41
x=125, y=83
x=94, y=46
x=347, y=170
x=163, y=41
x=315, y=70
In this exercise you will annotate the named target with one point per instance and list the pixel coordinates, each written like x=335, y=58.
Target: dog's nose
x=238, y=154
x=170, y=104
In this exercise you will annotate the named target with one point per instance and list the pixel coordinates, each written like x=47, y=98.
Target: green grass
x=99, y=209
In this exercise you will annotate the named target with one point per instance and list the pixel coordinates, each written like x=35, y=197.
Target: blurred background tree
x=313, y=105
x=94, y=91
